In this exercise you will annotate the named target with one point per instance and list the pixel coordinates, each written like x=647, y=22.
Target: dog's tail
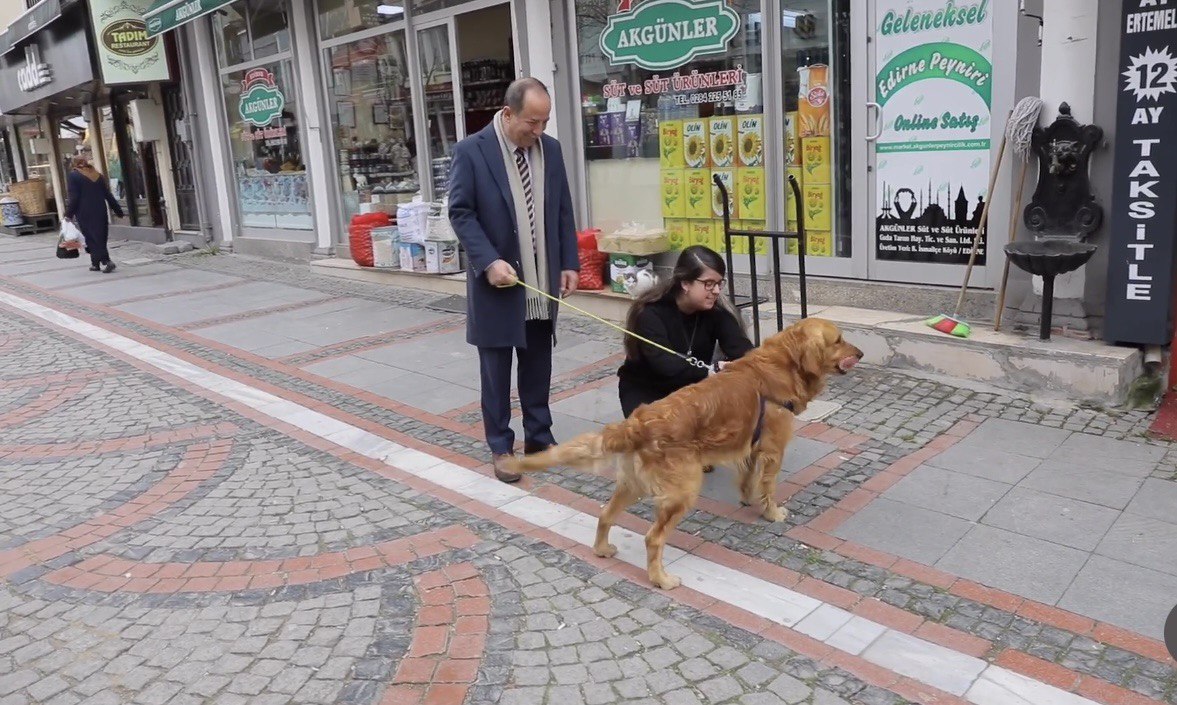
x=588, y=451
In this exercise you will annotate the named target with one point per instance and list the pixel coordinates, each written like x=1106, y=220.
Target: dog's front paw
x=774, y=513
x=606, y=551
x=666, y=581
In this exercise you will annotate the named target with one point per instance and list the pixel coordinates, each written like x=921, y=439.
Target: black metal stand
x=1047, y=307
x=776, y=237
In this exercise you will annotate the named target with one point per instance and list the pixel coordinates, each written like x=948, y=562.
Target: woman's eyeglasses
x=711, y=284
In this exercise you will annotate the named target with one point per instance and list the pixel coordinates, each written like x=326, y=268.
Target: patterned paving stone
x=279, y=500
x=38, y=499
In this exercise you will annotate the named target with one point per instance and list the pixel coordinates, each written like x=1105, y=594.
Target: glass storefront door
x=373, y=116
x=932, y=84
x=487, y=54
x=815, y=99
x=441, y=94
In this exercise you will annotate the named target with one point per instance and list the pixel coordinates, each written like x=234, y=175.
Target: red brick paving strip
x=186, y=292
x=244, y=315
x=611, y=361
x=38, y=379
x=200, y=462
x=44, y=451
x=95, y=572
x=448, y=640
x=46, y=402
x=371, y=342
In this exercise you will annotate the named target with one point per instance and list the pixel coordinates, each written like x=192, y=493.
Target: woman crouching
x=687, y=314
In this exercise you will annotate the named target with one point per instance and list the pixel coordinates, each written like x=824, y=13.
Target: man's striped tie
x=525, y=175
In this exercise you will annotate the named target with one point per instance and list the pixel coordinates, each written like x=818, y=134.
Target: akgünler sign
x=665, y=34
x=261, y=101
x=169, y=14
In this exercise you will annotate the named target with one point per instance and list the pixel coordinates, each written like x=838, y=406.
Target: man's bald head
x=527, y=111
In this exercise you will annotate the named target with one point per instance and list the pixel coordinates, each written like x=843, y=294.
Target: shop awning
x=29, y=22
x=164, y=15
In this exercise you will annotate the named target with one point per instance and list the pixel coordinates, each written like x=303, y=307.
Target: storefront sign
x=169, y=14
x=934, y=89
x=665, y=34
x=1144, y=192
x=36, y=73
x=30, y=22
x=261, y=101
x=716, y=86
x=49, y=62
x=125, y=51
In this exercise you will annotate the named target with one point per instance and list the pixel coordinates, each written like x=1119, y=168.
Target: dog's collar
x=764, y=402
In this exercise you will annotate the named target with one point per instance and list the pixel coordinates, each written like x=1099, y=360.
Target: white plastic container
x=441, y=257
x=385, y=251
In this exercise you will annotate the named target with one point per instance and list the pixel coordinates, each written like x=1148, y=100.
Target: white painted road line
x=919, y=659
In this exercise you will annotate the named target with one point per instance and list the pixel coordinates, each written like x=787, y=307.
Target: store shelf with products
x=484, y=83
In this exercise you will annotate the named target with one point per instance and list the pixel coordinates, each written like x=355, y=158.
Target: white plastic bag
x=70, y=232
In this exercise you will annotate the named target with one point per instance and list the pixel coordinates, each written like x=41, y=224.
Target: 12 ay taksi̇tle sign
x=261, y=100
x=665, y=34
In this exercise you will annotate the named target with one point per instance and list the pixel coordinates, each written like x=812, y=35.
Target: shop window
x=663, y=113
x=261, y=107
x=424, y=7
x=437, y=80
x=232, y=33
x=37, y=152
x=340, y=17
x=268, y=28
x=117, y=174
x=261, y=104
x=373, y=117
x=7, y=165
x=248, y=30
x=815, y=62
x=486, y=49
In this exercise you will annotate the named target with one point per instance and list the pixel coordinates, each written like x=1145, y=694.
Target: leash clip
x=697, y=363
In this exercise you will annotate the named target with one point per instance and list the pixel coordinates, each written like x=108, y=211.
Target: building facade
x=82, y=78
x=292, y=116
x=372, y=96
x=316, y=108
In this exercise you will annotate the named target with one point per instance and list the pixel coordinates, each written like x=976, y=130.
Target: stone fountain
x=1063, y=212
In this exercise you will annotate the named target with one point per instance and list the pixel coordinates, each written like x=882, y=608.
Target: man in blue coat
x=511, y=207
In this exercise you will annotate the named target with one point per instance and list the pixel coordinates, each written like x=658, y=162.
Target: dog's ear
x=811, y=355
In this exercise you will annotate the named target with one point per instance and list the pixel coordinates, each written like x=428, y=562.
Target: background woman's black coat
x=87, y=205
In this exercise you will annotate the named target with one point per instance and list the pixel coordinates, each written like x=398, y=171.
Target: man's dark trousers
x=535, y=381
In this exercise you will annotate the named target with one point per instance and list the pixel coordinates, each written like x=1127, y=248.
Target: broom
x=1021, y=135
x=1019, y=127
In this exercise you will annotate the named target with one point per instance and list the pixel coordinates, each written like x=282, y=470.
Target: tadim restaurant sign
x=1142, y=251
x=125, y=52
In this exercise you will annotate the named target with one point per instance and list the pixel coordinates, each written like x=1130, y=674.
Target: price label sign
x=1142, y=251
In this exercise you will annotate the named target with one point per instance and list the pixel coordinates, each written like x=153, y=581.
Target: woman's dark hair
x=691, y=264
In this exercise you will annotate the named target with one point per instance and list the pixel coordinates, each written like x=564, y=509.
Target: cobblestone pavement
x=160, y=544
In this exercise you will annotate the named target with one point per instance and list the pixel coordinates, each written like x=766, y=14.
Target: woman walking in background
x=687, y=314
x=88, y=195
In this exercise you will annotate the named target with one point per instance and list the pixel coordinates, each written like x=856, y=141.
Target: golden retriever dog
x=743, y=415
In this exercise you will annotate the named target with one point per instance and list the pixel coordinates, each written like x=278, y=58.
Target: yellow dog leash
x=689, y=359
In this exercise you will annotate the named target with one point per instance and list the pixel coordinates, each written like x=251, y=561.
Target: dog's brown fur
x=661, y=449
